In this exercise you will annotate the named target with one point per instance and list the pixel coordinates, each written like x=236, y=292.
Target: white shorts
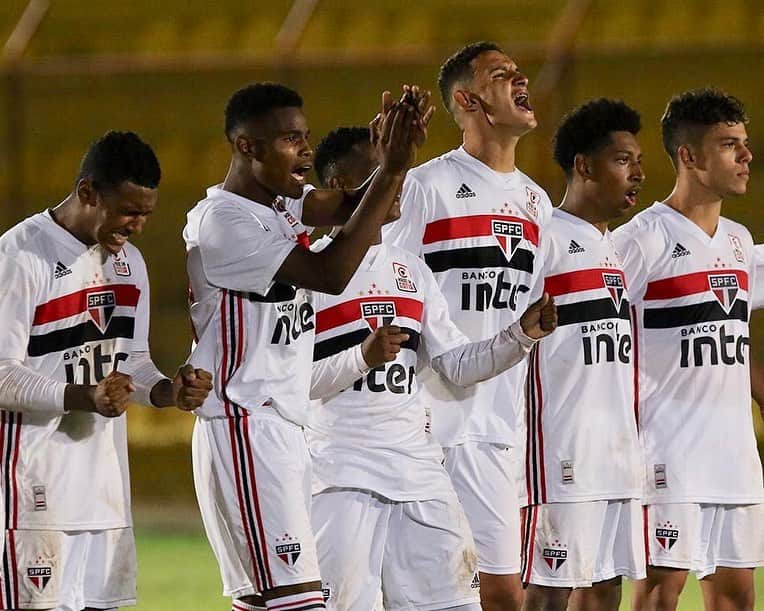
x=420, y=553
x=485, y=479
x=700, y=537
x=68, y=570
x=252, y=478
x=573, y=545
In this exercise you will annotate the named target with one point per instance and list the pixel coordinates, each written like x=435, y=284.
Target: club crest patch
x=288, y=549
x=378, y=313
x=614, y=286
x=532, y=201
x=725, y=289
x=555, y=555
x=39, y=576
x=667, y=535
x=403, y=279
x=508, y=234
x=100, y=307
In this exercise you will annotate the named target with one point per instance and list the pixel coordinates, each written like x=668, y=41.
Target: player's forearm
x=23, y=390
x=478, y=361
x=150, y=383
x=339, y=261
x=335, y=373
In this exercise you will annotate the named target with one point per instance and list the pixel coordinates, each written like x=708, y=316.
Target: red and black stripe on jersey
x=478, y=257
x=689, y=285
x=78, y=333
x=349, y=312
x=589, y=310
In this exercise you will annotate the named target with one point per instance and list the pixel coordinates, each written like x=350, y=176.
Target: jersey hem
x=705, y=500
x=605, y=496
x=69, y=527
x=397, y=498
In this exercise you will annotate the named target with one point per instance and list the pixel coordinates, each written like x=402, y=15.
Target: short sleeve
x=439, y=333
x=757, y=278
x=17, y=305
x=143, y=309
x=408, y=231
x=239, y=251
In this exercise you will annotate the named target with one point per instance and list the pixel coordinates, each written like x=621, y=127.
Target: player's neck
x=573, y=203
x=71, y=216
x=697, y=203
x=494, y=149
x=242, y=182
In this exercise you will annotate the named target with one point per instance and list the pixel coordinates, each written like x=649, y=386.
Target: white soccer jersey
x=254, y=334
x=372, y=435
x=691, y=295
x=582, y=440
x=71, y=313
x=478, y=231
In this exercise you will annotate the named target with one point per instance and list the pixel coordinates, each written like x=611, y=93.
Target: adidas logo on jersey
x=574, y=247
x=679, y=251
x=61, y=270
x=464, y=191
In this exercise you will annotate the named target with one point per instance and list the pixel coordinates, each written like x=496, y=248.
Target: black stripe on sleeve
x=681, y=316
x=478, y=257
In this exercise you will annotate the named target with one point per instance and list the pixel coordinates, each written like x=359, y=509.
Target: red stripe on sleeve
x=579, y=280
x=75, y=303
x=690, y=284
x=475, y=226
x=349, y=311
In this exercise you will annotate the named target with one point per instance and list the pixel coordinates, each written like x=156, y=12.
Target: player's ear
x=582, y=166
x=86, y=193
x=247, y=147
x=465, y=100
x=686, y=156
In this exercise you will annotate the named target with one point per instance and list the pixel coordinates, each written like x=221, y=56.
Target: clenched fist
x=112, y=394
x=540, y=319
x=191, y=387
x=383, y=345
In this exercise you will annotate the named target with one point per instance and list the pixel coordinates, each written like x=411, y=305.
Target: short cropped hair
x=587, y=128
x=457, y=68
x=689, y=114
x=117, y=157
x=256, y=100
x=334, y=147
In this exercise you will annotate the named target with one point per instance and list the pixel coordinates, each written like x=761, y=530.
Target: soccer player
x=74, y=350
x=248, y=262
x=385, y=512
x=475, y=219
x=583, y=527
x=689, y=272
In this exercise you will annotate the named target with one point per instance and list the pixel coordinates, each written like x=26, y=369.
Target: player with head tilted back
x=248, y=264
x=583, y=526
x=381, y=494
x=75, y=312
x=475, y=219
x=690, y=275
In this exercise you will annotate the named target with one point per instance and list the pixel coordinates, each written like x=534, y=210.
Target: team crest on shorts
x=377, y=313
x=667, y=535
x=532, y=200
x=555, y=555
x=40, y=574
x=614, y=286
x=100, y=307
x=288, y=549
x=725, y=289
x=508, y=234
x=403, y=279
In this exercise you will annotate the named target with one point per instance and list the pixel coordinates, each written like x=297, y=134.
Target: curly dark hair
x=117, y=157
x=333, y=148
x=690, y=114
x=587, y=128
x=457, y=68
x=256, y=100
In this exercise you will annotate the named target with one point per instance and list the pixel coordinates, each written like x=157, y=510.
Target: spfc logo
x=378, y=313
x=121, y=267
x=724, y=287
x=555, y=555
x=288, y=550
x=508, y=234
x=39, y=576
x=666, y=535
x=614, y=286
x=101, y=307
x=403, y=279
x=532, y=200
